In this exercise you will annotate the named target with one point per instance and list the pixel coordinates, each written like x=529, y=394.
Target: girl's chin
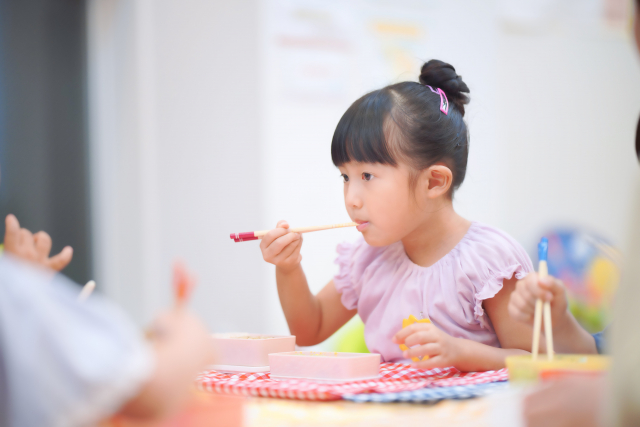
x=373, y=239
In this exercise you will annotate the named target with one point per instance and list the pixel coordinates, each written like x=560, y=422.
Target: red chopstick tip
x=243, y=237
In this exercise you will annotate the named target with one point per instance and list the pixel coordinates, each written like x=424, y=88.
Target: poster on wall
x=330, y=51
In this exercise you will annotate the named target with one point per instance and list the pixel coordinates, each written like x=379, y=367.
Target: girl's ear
x=438, y=179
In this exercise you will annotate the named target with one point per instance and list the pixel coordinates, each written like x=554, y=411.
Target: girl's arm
x=510, y=334
x=312, y=319
x=466, y=355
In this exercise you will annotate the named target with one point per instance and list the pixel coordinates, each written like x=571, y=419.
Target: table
x=500, y=409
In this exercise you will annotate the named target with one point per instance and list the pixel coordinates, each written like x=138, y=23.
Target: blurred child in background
x=66, y=363
x=600, y=401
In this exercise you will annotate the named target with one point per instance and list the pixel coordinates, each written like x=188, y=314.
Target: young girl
x=402, y=152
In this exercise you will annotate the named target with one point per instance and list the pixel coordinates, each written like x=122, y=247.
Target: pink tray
x=239, y=352
x=324, y=366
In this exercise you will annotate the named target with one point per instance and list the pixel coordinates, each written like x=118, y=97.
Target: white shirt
x=63, y=363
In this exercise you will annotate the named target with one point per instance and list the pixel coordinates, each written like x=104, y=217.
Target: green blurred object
x=350, y=338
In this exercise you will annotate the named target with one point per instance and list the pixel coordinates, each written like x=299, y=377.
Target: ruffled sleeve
x=499, y=257
x=353, y=259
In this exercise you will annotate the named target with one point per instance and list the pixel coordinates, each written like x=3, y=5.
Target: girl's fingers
x=402, y=335
x=271, y=236
x=282, y=224
x=278, y=245
x=287, y=251
x=61, y=260
x=430, y=349
x=420, y=337
x=42, y=242
x=294, y=257
x=431, y=363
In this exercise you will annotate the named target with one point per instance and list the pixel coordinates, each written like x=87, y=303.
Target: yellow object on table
x=525, y=369
x=410, y=321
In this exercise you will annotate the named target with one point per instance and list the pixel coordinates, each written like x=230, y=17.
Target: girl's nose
x=352, y=198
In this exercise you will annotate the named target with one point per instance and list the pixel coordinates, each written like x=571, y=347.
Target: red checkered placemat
x=394, y=377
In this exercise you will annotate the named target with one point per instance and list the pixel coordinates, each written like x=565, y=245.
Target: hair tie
x=444, y=102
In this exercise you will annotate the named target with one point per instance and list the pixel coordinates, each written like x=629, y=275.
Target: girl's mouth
x=362, y=225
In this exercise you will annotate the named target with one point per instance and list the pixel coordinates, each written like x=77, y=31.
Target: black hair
x=367, y=131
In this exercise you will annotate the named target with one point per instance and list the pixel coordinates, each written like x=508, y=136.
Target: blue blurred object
x=543, y=248
x=588, y=266
x=430, y=394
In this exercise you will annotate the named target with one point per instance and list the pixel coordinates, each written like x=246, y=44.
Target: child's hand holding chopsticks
x=568, y=335
x=549, y=289
x=281, y=247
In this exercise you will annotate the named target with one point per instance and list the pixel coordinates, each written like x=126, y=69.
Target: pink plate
x=324, y=366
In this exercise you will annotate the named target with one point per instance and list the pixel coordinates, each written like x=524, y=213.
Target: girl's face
x=379, y=198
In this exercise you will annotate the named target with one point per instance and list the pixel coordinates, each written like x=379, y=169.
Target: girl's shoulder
x=484, y=259
x=488, y=241
x=487, y=252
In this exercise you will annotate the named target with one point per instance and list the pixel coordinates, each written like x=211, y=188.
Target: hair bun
x=438, y=74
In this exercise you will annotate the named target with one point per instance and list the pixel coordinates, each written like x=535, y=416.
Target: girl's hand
x=443, y=349
x=35, y=248
x=522, y=302
x=282, y=248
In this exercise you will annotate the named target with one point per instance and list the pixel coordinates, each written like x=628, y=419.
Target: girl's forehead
x=359, y=165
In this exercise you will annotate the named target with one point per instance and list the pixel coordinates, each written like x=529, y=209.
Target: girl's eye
x=345, y=178
x=367, y=176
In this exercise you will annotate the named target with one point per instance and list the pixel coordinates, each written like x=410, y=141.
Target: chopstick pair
x=543, y=272
x=255, y=235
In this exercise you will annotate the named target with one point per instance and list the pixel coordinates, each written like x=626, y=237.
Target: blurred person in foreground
x=583, y=401
x=70, y=363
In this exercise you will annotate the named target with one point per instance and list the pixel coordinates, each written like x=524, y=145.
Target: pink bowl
x=324, y=366
x=252, y=350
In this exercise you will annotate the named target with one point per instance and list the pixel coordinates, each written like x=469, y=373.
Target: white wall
x=210, y=117
x=567, y=116
x=174, y=90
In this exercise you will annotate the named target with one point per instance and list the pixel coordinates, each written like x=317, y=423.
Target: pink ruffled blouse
x=386, y=286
